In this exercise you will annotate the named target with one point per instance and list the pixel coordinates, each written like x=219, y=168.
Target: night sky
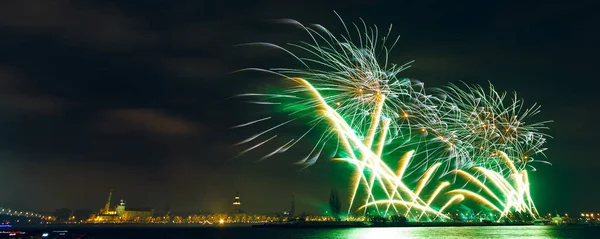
x=134, y=96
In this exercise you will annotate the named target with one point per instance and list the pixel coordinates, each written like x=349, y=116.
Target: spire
x=107, y=206
x=236, y=203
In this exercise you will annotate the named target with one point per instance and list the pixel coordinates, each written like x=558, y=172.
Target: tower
x=236, y=203
x=107, y=206
x=293, y=206
x=120, y=209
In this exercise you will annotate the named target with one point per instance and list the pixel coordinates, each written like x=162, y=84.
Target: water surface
x=488, y=232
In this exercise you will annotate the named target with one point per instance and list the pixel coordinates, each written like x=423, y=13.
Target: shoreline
x=389, y=224
x=292, y=225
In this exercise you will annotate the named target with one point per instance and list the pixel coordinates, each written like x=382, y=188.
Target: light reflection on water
x=491, y=232
x=452, y=232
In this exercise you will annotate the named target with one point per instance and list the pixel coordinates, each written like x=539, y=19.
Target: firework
x=347, y=87
x=467, y=127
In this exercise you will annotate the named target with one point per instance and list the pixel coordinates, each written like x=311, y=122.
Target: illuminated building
x=236, y=203
x=120, y=213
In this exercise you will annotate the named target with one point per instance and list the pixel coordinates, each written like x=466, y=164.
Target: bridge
x=18, y=213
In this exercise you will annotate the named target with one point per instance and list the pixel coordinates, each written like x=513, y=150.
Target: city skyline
x=145, y=108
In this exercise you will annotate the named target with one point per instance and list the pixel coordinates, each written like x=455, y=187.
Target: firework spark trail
x=402, y=163
x=251, y=122
x=423, y=181
x=480, y=184
x=433, y=196
x=454, y=198
x=379, y=169
x=516, y=196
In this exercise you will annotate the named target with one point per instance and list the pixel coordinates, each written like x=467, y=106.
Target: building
x=133, y=214
x=121, y=213
x=237, y=203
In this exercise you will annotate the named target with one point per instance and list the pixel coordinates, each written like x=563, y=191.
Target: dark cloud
x=31, y=104
x=102, y=26
x=196, y=67
x=145, y=120
x=17, y=97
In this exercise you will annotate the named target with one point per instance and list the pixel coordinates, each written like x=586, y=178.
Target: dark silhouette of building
x=334, y=204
